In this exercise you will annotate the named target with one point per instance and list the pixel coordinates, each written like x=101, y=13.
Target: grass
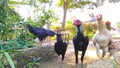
x=114, y=63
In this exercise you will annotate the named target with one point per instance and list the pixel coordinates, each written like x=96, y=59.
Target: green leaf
x=1, y=66
x=37, y=59
x=60, y=3
x=114, y=63
x=9, y=59
x=1, y=55
x=16, y=3
x=44, y=1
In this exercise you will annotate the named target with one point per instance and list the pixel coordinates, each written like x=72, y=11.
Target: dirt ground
x=69, y=61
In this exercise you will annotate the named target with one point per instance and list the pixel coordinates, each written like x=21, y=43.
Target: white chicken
x=103, y=38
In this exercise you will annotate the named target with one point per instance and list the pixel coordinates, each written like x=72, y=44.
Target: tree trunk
x=65, y=13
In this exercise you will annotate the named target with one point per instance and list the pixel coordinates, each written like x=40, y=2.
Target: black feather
x=41, y=33
x=60, y=46
x=50, y=33
x=80, y=43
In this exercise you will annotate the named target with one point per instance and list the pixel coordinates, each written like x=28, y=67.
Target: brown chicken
x=113, y=49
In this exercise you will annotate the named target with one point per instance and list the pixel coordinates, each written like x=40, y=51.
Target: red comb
x=107, y=22
x=99, y=16
x=77, y=22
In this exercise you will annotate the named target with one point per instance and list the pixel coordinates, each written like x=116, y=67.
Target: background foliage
x=13, y=33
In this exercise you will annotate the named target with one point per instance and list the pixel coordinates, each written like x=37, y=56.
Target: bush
x=72, y=30
x=90, y=28
x=118, y=24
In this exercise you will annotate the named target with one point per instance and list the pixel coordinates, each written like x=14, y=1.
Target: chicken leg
x=98, y=50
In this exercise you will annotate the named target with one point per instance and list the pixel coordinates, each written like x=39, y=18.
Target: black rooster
x=80, y=42
x=41, y=33
x=60, y=48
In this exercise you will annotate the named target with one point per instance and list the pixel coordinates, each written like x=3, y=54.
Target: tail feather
x=50, y=33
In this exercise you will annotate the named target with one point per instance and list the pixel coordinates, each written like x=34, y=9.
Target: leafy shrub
x=71, y=29
x=118, y=24
x=56, y=27
x=90, y=28
x=5, y=54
